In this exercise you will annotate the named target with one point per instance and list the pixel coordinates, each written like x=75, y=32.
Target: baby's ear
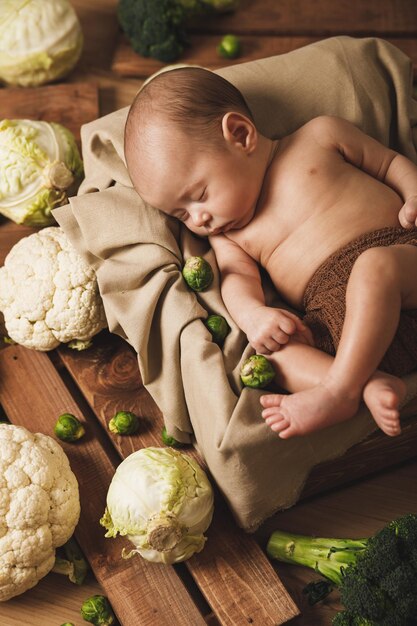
x=240, y=131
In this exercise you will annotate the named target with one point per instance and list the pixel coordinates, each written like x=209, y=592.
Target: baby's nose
x=201, y=218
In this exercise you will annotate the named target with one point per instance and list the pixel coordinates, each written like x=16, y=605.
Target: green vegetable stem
x=197, y=273
x=229, y=47
x=376, y=576
x=70, y=561
x=257, y=372
x=124, y=423
x=97, y=611
x=68, y=428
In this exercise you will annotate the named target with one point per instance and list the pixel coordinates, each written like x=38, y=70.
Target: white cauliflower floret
x=39, y=507
x=48, y=294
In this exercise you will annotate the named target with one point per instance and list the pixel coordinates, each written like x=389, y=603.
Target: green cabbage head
x=163, y=501
x=40, y=166
x=40, y=41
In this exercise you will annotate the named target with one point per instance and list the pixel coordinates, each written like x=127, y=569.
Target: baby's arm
x=267, y=328
x=391, y=168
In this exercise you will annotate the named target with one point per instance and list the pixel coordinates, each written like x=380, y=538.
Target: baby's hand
x=408, y=213
x=269, y=329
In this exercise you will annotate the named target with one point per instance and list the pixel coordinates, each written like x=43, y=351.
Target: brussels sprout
x=40, y=166
x=257, y=372
x=68, y=428
x=229, y=47
x=222, y=6
x=40, y=41
x=98, y=611
x=68, y=624
x=170, y=441
x=218, y=327
x=197, y=273
x=124, y=423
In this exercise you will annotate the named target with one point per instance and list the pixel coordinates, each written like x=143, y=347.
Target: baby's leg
x=300, y=367
x=380, y=285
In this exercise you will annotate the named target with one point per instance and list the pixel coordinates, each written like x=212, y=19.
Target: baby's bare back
x=313, y=202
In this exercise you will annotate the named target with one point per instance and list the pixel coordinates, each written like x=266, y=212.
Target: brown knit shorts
x=325, y=306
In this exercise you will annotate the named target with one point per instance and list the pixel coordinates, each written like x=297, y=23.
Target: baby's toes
x=271, y=400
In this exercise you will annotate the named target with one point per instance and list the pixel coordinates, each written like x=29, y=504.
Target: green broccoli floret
x=377, y=576
x=156, y=28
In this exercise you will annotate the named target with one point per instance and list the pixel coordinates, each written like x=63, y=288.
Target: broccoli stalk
x=156, y=28
x=376, y=576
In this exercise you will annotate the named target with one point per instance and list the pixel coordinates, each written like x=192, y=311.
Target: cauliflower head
x=48, y=294
x=39, y=507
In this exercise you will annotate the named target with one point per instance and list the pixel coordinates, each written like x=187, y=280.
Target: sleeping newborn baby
x=329, y=212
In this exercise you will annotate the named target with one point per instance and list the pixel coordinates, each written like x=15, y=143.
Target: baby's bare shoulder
x=327, y=130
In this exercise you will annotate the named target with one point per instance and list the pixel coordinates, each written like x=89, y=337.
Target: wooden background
x=110, y=76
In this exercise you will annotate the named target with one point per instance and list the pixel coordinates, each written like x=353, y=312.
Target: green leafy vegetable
x=70, y=561
x=124, y=423
x=40, y=166
x=157, y=28
x=170, y=441
x=68, y=428
x=162, y=500
x=197, y=273
x=40, y=41
x=377, y=576
x=229, y=47
x=218, y=327
x=98, y=611
x=257, y=372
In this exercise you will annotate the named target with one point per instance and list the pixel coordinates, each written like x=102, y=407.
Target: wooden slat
x=232, y=572
x=316, y=17
x=33, y=395
x=202, y=51
x=68, y=104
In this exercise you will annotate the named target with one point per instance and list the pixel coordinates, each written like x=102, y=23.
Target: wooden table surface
x=357, y=510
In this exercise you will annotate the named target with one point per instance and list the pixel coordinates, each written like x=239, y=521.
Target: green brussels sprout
x=257, y=372
x=197, y=273
x=218, y=327
x=68, y=428
x=170, y=441
x=98, y=611
x=229, y=47
x=68, y=624
x=124, y=423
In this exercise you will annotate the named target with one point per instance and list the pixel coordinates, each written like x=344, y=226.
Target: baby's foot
x=306, y=411
x=382, y=396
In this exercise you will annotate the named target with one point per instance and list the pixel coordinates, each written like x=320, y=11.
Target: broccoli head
x=376, y=576
x=156, y=28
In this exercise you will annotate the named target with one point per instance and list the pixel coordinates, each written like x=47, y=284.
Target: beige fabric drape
x=138, y=253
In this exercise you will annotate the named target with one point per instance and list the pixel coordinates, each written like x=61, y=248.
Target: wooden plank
x=316, y=17
x=140, y=592
x=232, y=572
x=202, y=51
x=69, y=104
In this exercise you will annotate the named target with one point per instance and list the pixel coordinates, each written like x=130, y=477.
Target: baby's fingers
x=408, y=214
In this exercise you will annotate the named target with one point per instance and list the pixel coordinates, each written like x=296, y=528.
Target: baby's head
x=191, y=150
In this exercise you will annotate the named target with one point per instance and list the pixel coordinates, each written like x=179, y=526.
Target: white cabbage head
x=163, y=501
x=40, y=41
x=40, y=166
